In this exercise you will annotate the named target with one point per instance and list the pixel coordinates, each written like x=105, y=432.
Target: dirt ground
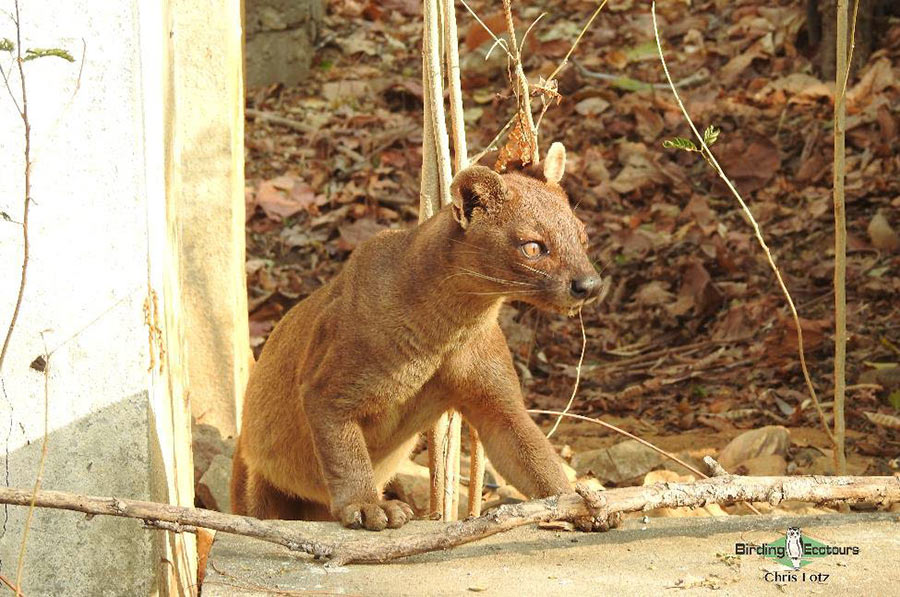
x=659, y=556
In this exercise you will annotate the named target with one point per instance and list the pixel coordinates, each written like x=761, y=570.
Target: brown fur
x=407, y=330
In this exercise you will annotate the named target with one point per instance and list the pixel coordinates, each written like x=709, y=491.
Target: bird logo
x=793, y=543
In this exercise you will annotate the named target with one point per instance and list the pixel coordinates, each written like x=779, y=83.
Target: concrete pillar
x=208, y=133
x=112, y=276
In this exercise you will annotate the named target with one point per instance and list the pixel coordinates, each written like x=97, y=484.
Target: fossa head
x=520, y=239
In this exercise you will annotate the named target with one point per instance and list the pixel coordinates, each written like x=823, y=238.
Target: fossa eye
x=533, y=249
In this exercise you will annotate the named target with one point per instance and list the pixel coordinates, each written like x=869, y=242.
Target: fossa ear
x=555, y=163
x=476, y=187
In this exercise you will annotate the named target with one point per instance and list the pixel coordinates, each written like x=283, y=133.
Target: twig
x=10, y=585
x=492, y=145
x=279, y=120
x=577, y=377
x=587, y=25
x=621, y=431
x=497, y=41
x=716, y=469
x=700, y=76
x=523, y=94
x=23, y=113
x=762, y=243
x=721, y=490
x=39, y=478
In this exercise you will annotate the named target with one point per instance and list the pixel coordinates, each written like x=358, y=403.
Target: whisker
x=466, y=271
x=503, y=292
x=462, y=242
x=534, y=269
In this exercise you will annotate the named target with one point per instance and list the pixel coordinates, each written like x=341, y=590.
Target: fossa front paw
x=376, y=516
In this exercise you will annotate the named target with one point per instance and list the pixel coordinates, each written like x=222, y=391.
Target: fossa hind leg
x=266, y=501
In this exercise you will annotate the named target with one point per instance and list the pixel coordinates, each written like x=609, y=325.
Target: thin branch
x=523, y=94
x=27, y=201
x=12, y=95
x=641, y=441
x=527, y=31
x=621, y=431
x=577, y=377
x=497, y=41
x=290, y=123
x=20, y=564
x=10, y=585
x=587, y=25
x=842, y=71
x=493, y=144
x=762, y=243
x=843, y=93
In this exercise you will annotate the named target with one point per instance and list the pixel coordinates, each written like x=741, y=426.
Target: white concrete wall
x=101, y=238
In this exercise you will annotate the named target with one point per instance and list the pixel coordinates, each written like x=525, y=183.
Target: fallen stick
x=280, y=120
x=601, y=509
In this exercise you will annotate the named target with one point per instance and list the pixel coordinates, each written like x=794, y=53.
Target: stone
x=412, y=485
x=206, y=444
x=695, y=460
x=768, y=465
x=624, y=461
x=571, y=475
x=592, y=484
x=280, y=40
x=772, y=439
x=213, y=490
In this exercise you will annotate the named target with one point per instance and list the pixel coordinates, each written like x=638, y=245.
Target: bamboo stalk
x=457, y=121
x=476, y=472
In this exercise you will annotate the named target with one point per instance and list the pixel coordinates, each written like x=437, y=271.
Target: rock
x=626, y=460
x=412, y=485
x=664, y=476
x=206, y=444
x=772, y=439
x=213, y=490
x=694, y=460
x=592, y=484
x=770, y=465
x=882, y=235
x=508, y=492
x=571, y=475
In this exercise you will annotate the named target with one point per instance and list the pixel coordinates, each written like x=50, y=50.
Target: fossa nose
x=585, y=287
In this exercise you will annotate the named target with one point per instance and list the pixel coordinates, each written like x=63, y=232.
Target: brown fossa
x=407, y=330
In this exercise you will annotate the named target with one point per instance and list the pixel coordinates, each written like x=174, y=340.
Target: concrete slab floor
x=678, y=556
